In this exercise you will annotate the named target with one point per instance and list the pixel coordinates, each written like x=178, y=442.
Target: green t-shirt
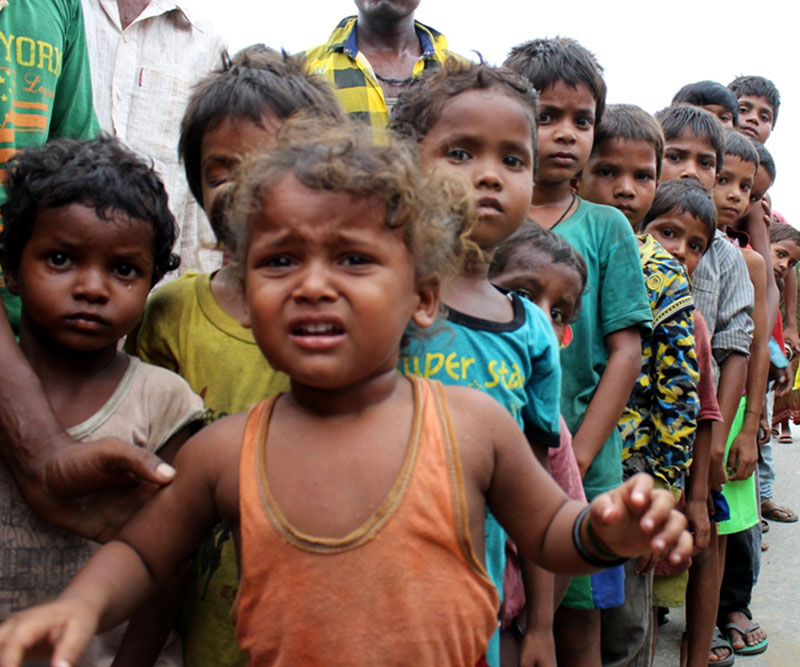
x=615, y=299
x=45, y=83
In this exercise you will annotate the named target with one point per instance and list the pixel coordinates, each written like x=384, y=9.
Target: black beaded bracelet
x=583, y=552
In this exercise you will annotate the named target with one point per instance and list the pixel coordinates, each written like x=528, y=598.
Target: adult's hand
x=111, y=477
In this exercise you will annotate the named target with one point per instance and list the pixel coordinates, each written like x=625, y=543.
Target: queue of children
x=424, y=355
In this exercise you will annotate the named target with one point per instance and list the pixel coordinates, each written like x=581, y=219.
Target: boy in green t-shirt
x=600, y=367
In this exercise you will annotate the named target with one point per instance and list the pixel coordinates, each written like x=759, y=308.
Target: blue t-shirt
x=516, y=363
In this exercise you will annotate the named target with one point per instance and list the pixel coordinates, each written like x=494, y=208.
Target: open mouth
x=489, y=205
x=317, y=329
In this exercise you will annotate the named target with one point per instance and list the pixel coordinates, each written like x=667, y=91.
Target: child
x=341, y=244
x=693, y=144
x=234, y=111
x=785, y=251
x=659, y=420
x=713, y=97
x=731, y=197
x=540, y=266
x=683, y=220
x=478, y=123
x=87, y=234
x=759, y=102
x=694, y=149
x=601, y=365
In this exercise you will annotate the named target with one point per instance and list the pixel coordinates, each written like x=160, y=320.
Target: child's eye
x=708, y=164
x=277, y=262
x=697, y=248
x=745, y=187
x=58, y=259
x=644, y=176
x=754, y=198
x=672, y=157
x=558, y=316
x=514, y=161
x=721, y=180
x=544, y=118
x=725, y=118
x=356, y=259
x=743, y=110
x=525, y=294
x=458, y=155
x=125, y=270
x=667, y=233
x=584, y=122
x=765, y=118
x=603, y=172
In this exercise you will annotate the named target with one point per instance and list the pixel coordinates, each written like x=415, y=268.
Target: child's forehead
x=625, y=150
x=466, y=113
x=688, y=137
x=562, y=93
x=735, y=164
x=240, y=135
x=292, y=207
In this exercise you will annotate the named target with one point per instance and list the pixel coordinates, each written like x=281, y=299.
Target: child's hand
x=635, y=519
x=67, y=626
x=743, y=456
x=699, y=523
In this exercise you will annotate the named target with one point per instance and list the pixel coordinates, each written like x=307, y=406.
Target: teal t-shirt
x=615, y=299
x=517, y=364
x=45, y=83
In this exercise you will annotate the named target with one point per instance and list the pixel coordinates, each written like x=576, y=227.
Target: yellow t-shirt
x=185, y=330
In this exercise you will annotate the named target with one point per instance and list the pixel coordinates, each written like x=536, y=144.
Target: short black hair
x=765, y=160
x=740, y=146
x=545, y=62
x=675, y=120
x=703, y=93
x=758, y=86
x=683, y=195
x=418, y=109
x=550, y=243
x=256, y=81
x=627, y=121
x=783, y=231
x=101, y=173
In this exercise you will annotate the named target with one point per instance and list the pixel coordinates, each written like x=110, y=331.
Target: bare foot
x=740, y=639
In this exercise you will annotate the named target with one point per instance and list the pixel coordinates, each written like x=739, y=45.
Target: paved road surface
x=776, y=599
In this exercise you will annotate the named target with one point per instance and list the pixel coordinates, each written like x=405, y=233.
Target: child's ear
x=428, y=304
x=11, y=279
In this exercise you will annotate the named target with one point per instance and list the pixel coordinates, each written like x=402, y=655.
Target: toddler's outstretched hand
x=635, y=519
x=62, y=629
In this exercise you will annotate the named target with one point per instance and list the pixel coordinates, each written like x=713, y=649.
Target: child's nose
x=624, y=187
x=314, y=283
x=487, y=175
x=90, y=285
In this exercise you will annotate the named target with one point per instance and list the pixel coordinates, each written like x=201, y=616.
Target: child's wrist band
x=608, y=559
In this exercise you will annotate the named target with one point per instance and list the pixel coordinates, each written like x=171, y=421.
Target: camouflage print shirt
x=660, y=418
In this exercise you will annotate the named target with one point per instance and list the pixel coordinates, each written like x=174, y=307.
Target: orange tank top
x=404, y=589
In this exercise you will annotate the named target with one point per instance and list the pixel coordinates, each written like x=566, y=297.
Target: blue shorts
x=602, y=590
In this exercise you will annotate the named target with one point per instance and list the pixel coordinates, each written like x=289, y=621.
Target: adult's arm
x=54, y=472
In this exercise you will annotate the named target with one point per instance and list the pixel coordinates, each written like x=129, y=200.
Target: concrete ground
x=776, y=598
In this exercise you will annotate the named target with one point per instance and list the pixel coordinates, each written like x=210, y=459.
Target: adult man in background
x=145, y=55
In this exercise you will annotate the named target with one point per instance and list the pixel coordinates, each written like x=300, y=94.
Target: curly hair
x=431, y=213
x=419, y=108
x=101, y=173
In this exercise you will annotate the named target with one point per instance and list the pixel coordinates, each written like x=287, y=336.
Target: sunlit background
x=648, y=49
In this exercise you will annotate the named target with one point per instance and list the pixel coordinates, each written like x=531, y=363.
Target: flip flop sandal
x=719, y=641
x=786, y=438
x=747, y=650
x=764, y=526
x=778, y=513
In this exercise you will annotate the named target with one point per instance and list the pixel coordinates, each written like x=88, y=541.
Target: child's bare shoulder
x=480, y=423
x=210, y=460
